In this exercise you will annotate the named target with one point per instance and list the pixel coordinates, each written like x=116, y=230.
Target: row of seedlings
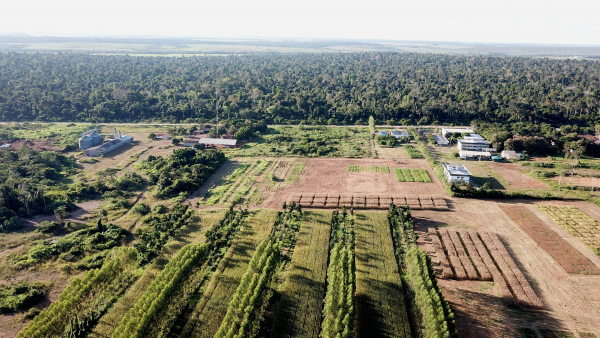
x=339, y=304
x=440, y=202
x=373, y=202
x=319, y=201
x=516, y=280
x=139, y=320
x=84, y=300
x=431, y=315
x=441, y=255
x=323, y=200
x=245, y=311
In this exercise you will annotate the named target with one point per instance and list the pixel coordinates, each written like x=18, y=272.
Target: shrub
x=141, y=209
x=18, y=297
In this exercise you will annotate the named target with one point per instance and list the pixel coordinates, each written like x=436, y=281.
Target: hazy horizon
x=545, y=22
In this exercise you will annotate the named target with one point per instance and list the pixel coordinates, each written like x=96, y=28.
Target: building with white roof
x=456, y=173
x=446, y=131
x=472, y=144
x=399, y=134
x=219, y=142
x=441, y=140
x=474, y=155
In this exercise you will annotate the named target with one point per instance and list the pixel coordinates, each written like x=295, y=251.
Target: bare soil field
x=323, y=175
x=570, y=301
x=578, y=181
x=35, y=145
x=513, y=173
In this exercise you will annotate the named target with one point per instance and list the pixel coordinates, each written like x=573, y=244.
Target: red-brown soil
x=513, y=173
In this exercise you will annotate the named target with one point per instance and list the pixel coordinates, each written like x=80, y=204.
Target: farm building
x=441, y=140
x=203, y=130
x=109, y=146
x=163, y=136
x=456, y=173
x=219, y=143
x=473, y=143
x=400, y=134
x=510, y=155
x=6, y=145
x=474, y=155
x=90, y=139
x=446, y=131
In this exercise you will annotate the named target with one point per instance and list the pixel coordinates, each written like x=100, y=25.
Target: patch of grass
x=413, y=152
x=296, y=172
x=412, y=175
x=370, y=169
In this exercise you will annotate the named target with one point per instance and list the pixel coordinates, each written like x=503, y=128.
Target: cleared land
x=513, y=174
x=302, y=299
x=380, y=305
x=570, y=301
x=569, y=258
x=576, y=223
x=332, y=176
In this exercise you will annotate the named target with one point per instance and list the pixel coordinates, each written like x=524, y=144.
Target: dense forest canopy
x=315, y=88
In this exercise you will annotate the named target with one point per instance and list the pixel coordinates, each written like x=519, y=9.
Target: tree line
x=399, y=88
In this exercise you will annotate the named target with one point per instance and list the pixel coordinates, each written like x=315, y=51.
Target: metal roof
x=473, y=141
x=400, y=133
x=456, y=169
x=218, y=141
x=440, y=139
x=474, y=153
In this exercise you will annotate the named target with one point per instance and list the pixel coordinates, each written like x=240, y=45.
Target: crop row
x=138, y=320
x=513, y=275
x=413, y=152
x=455, y=261
x=497, y=277
x=223, y=188
x=441, y=255
x=412, y=175
x=564, y=254
x=338, y=312
x=431, y=314
x=370, y=169
x=355, y=201
x=576, y=223
x=380, y=304
x=303, y=291
x=83, y=296
x=474, y=255
x=250, y=293
x=205, y=319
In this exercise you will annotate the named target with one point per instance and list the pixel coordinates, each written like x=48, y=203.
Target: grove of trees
x=332, y=88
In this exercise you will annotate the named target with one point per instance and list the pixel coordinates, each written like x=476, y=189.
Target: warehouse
x=109, y=146
x=218, y=142
x=446, y=131
x=474, y=155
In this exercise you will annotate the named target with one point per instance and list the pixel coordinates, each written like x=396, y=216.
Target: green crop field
x=370, y=169
x=381, y=309
x=304, y=290
x=412, y=175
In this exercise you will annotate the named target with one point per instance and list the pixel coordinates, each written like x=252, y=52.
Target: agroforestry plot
x=564, y=254
x=370, y=169
x=360, y=201
x=576, y=223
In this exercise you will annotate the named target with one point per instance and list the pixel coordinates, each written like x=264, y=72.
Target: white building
x=472, y=144
x=456, y=173
x=474, y=155
x=441, y=140
x=399, y=134
x=219, y=142
x=456, y=130
x=107, y=147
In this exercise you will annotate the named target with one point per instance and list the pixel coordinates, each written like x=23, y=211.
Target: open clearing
x=332, y=176
x=513, y=173
x=571, y=302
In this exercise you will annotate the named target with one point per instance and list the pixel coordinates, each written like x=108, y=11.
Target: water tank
x=96, y=139
x=85, y=142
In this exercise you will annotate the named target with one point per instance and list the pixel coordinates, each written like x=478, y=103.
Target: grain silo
x=85, y=142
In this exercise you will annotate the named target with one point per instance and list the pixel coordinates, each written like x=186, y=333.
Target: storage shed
x=218, y=142
x=510, y=155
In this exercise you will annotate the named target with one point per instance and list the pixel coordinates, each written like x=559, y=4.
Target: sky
x=493, y=21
